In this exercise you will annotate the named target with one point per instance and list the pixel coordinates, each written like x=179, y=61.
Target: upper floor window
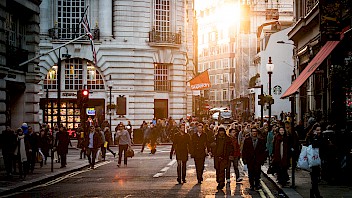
x=161, y=77
x=69, y=15
x=162, y=13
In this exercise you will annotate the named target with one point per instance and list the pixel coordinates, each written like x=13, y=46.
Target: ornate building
x=143, y=49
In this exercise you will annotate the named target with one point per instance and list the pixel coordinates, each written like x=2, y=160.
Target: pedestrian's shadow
x=195, y=191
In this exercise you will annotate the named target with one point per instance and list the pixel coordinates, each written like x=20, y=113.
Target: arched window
x=76, y=73
x=50, y=81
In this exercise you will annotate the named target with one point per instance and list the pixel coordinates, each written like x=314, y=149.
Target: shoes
x=179, y=181
x=118, y=165
x=184, y=181
x=62, y=166
x=228, y=180
x=114, y=154
x=239, y=179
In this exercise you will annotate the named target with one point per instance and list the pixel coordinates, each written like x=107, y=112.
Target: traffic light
x=82, y=97
x=261, y=100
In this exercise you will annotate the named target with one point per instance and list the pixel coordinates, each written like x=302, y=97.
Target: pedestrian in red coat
x=254, y=154
x=281, y=158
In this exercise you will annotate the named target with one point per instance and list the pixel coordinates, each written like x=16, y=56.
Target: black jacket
x=199, y=145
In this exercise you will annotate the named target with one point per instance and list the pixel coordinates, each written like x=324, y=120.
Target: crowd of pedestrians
x=248, y=143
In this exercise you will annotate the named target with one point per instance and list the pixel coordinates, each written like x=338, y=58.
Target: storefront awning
x=311, y=67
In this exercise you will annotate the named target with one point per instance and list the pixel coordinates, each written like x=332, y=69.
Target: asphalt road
x=146, y=175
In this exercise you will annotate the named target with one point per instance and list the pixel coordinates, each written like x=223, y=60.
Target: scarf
x=22, y=147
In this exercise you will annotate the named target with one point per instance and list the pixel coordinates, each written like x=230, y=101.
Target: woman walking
x=108, y=139
x=315, y=138
x=281, y=158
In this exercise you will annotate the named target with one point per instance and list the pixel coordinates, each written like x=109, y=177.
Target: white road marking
x=163, y=171
x=267, y=189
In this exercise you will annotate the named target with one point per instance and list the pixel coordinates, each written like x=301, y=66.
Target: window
x=76, y=74
x=51, y=79
x=162, y=18
x=94, y=79
x=225, y=63
x=73, y=74
x=224, y=94
x=69, y=15
x=218, y=95
x=218, y=78
x=226, y=77
x=212, y=95
x=161, y=77
x=212, y=79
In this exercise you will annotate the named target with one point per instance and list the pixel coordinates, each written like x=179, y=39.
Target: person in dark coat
x=62, y=142
x=281, y=158
x=181, y=144
x=108, y=138
x=33, y=138
x=199, y=150
x=8, y=142
x=222, y=150
x=93, y=142
x=44, y=145
x=315, y=138
x=254, y=155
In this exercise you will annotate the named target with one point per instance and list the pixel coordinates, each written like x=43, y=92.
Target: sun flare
x=228, y=15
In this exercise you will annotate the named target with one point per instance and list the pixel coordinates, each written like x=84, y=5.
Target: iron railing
x=71, y=33
x=164, y=37
x=15, y=56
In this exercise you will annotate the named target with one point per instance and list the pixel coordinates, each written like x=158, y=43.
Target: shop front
x=71, y=115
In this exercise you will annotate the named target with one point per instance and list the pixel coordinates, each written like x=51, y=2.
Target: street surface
x=146, y=175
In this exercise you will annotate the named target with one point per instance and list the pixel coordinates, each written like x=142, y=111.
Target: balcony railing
x=15, y=56
x=164, y=37
x=71, y=33
x=162, y=86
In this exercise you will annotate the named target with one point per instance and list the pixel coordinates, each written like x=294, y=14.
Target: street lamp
x=110, y=84
x=59, y=84
x=292, y=99
x=269, y=69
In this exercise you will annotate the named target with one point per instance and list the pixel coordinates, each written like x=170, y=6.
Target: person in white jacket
x=124, y=141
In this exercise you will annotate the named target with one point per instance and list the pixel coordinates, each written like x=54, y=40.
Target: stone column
x=105, y=18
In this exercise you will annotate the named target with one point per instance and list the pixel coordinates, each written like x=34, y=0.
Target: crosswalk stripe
x=267, y=189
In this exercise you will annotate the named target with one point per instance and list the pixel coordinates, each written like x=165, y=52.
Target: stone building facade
x=19, y=41
x=143, y=51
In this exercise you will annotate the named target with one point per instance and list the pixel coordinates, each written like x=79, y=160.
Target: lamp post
x=293, y=112
x=58, y=97
x=110, y=100
x=269, y=69
x=59, y=84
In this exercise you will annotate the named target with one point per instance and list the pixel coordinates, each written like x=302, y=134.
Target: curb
x=289, y=192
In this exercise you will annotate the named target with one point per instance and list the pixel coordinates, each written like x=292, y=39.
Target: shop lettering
x=69, y=94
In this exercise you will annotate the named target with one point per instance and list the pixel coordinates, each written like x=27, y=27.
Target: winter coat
x=254, y=158
x=222, y=150
x=181, y=144
x=236, y=148
x=44, y=144
x=284, y=160
x=199, y=144
x=270, y=142
x=62, y=142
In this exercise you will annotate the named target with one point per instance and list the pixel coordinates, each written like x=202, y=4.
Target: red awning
x=311, y=67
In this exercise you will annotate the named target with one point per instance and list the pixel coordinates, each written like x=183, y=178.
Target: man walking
x=200, y=148
x=254, y=155
x=93, y=142
x=222, y=151
x=181, y=144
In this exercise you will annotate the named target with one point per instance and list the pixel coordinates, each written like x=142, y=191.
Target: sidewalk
x=43, y=174
x=303, y=185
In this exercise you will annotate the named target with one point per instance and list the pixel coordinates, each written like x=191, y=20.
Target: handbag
x=130, y=152
x=303, y=159
x=313, y=156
